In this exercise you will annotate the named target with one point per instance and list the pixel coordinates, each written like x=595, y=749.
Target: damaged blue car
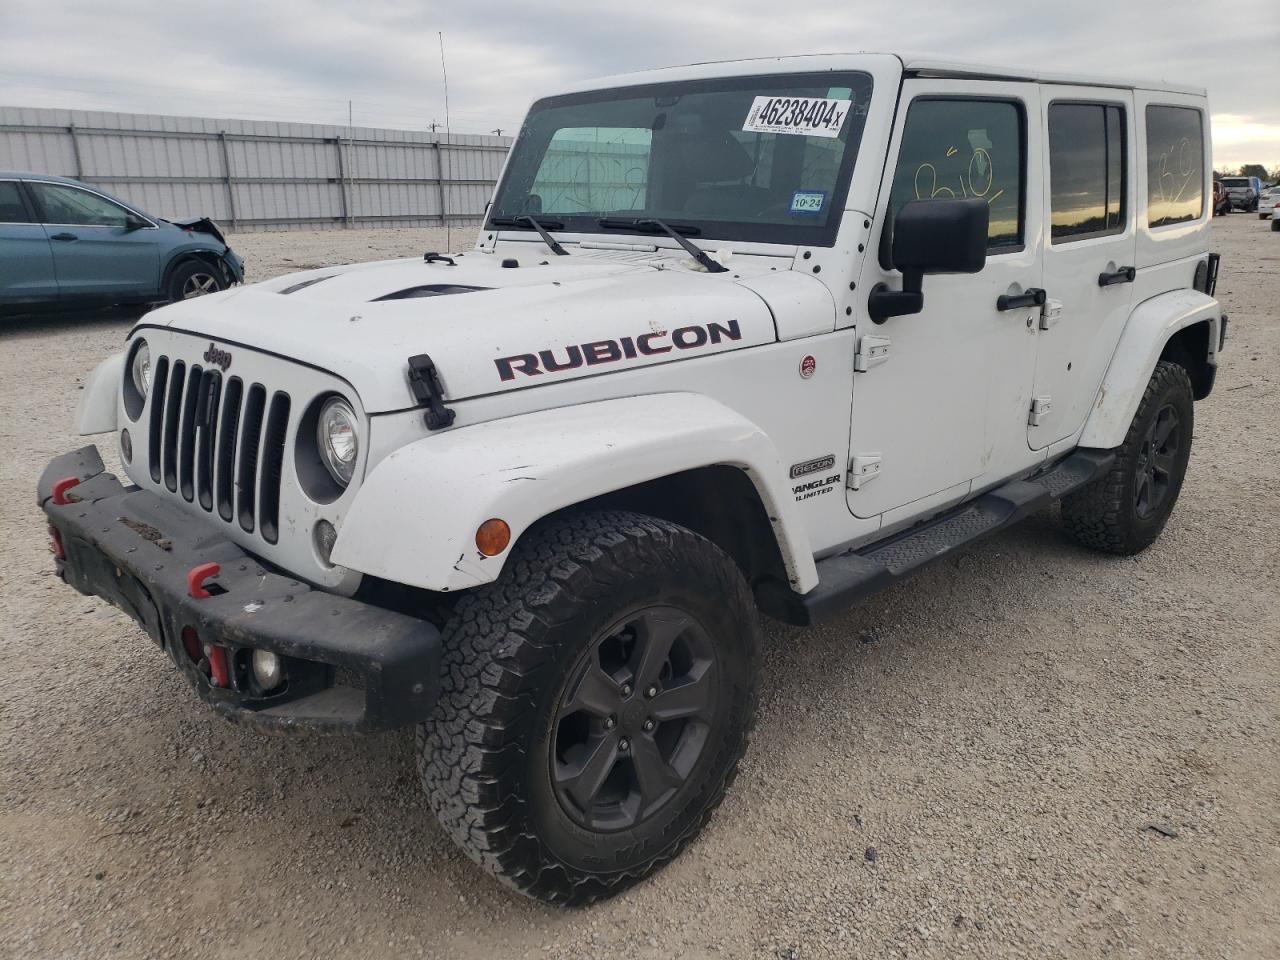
x=65, y=244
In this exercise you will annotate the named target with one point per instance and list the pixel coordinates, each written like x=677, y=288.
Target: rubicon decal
x=597, y=352
x=219, y=358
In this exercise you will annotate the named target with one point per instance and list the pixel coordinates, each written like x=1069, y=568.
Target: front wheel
x=1124, y=511
x=194, y=279
x=596, y=700
x=1275, y=225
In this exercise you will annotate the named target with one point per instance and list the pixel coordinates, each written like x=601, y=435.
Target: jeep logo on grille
x=219, y=358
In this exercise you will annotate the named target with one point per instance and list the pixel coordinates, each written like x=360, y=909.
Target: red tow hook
x=218, y=672
x=196, y=577
x=60, y=488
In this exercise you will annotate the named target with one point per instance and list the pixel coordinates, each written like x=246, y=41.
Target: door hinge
x=862, y=470
x=1050, y=313
x=871, y=351
x=1041, y=407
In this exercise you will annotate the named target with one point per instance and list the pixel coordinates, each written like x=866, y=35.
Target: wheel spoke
x=1163, y=463
x=584, y=778
x=596, y=694
x=657, y=633
x=1144, y=492
x=689, y=698
x=1165, y=425
x=654, y=776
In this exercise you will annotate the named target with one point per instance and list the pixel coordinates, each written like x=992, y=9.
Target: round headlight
x=140, y=369
x=336, y=437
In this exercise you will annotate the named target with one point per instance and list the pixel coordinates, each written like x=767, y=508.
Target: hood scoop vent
x=428, y=290
x=294, y=288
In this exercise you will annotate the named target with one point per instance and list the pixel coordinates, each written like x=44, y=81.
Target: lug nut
x=624, y=744
x=626, y=689
x=648, y=725
x=610, y=723
x=651, y=692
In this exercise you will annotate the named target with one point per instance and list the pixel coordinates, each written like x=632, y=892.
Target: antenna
x=444, y=207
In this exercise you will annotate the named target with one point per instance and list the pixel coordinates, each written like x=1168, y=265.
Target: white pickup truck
x=735, y=338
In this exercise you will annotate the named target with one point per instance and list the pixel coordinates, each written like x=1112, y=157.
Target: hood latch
x=424, y=381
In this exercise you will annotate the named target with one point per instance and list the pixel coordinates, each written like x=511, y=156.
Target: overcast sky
x=304, y=59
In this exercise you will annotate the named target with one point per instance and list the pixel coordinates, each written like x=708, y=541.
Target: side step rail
x=848, y=577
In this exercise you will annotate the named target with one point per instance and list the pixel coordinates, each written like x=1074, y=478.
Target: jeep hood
x=487, y=327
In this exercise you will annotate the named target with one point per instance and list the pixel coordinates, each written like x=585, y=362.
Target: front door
x=1089, y=251
x=26, y=264
x=946, y=405
x=95, y=251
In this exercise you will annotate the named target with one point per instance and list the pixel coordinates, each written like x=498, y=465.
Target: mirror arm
x=884, y=303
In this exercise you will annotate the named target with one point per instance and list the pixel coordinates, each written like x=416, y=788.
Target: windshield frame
x=813, y=234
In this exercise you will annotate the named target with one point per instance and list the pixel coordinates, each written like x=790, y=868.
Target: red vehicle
x=1221, y=202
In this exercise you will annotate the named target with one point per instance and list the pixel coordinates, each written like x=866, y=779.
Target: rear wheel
x=596, y=701
x=1124, y=511
x=193, y=279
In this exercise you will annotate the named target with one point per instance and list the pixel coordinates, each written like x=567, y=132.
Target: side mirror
x=132, y=222
x=931, y=236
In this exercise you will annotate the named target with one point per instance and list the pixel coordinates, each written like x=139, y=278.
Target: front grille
x=220, y=444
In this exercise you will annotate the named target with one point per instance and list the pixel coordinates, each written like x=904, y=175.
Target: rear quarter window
x=1175, y=165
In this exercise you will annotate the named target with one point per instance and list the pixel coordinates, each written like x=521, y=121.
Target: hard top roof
x=924, y=66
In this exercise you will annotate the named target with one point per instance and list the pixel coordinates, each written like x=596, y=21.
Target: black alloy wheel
x=634, y=720
x=1157, y=462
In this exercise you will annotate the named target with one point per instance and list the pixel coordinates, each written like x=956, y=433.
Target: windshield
x=764, y=159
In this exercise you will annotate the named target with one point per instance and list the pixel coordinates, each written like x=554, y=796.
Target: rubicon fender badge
x=807, y=366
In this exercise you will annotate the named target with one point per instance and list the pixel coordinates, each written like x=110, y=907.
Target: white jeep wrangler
x=767, y=336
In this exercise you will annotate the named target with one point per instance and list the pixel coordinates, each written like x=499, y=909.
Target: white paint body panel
x=1146, y=333
x=97, y=409
x=414, y=520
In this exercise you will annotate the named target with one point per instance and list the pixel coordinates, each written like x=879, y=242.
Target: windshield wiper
x=676, y=233
x=541, y=226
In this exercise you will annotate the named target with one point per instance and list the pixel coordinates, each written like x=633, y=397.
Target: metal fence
x=261, y=175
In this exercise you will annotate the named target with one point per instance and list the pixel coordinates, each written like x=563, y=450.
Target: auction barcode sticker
x=801, y=116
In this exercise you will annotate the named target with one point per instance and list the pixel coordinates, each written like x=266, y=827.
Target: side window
x=965, y=148
x=12, y=209
x=1175, y=165
x=71, y=205
x=594, y=168
x=1087, y=163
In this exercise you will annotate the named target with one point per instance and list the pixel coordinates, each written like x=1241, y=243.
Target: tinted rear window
x=1175, y=165
x=1086, y=170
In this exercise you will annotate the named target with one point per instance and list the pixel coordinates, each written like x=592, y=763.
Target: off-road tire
x=191, y=272
x=509, y=651
x=1275, y=223
x=1104, y=515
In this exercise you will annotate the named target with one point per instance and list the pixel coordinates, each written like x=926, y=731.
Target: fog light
x=126, y=446
x=325, y=537
x=267, y=670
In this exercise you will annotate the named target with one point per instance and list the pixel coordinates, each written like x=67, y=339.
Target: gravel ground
x=1027, y=751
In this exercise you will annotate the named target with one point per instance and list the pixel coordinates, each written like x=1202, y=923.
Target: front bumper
x=349, y=666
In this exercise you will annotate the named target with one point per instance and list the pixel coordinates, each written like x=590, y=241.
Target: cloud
x=305, y=59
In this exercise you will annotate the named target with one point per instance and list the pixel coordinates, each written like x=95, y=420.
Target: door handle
x=1121, y=275
x=1032, y=297
x=64, y=236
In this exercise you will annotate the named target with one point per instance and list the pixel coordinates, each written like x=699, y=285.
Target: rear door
x=96, y=253
x=1089, y=258
x=26, y=262
x=945, y=405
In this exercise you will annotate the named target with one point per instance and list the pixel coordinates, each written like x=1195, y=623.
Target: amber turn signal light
x=492, y=537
